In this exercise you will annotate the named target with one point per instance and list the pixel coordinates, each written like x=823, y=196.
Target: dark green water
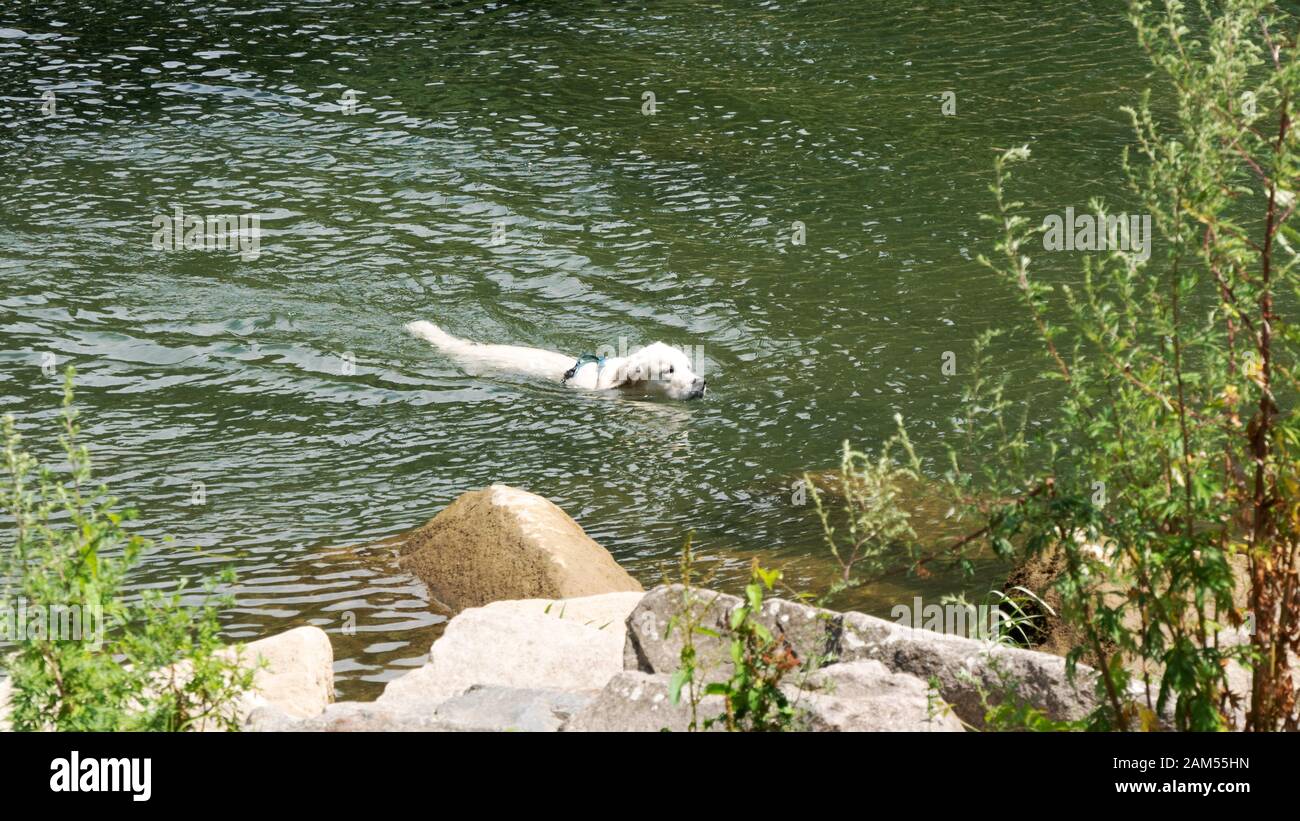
x=202, y=367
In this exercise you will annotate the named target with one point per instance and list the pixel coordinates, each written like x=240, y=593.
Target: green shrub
x=150, y=664
x=1168, y=474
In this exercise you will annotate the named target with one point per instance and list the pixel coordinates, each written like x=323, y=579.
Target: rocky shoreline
x=552, y=635
x=604, y=663
x=556, y=637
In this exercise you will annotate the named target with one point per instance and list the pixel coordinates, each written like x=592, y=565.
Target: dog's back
x=512, y=358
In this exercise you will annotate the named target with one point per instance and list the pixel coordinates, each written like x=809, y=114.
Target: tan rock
x=298, y=675
x=503, y=543
x=293, y=674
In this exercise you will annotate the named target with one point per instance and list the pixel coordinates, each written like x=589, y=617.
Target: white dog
x=656, y=368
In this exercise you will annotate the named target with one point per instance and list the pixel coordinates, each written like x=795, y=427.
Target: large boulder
x=968, y=671
x=503, y=543
x=574, y=644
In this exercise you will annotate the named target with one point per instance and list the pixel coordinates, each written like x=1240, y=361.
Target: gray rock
x=652, y=647
x=512, y=709
x=573, y=644
x=347, y=717
x=638, y=703
x=363, y=717
x=482, y=709
x=861, y=697
x=267, y=718
x=962, y=666
x=866, y=697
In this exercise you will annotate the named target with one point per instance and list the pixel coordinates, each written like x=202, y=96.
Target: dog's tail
x=435, y=336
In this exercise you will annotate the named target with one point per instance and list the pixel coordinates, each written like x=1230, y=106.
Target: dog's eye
x=670, y=368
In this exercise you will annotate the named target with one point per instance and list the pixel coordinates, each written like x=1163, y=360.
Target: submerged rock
x=502, y=543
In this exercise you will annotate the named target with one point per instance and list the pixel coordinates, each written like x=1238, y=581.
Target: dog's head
x=661, y=368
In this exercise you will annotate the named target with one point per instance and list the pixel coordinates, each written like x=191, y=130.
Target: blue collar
x=583, y=360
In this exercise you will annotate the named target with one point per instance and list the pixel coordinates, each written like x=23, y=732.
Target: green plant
x=1023, y=613
x=1167, y=476
x=196, y=680
x=1013, y=714
x=1004, y=618
x=152, y=664
x=688, y=621
x=1176, y=385
x=760, y=662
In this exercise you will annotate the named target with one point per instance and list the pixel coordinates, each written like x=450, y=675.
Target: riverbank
x=547, y=633
x=605, y=663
